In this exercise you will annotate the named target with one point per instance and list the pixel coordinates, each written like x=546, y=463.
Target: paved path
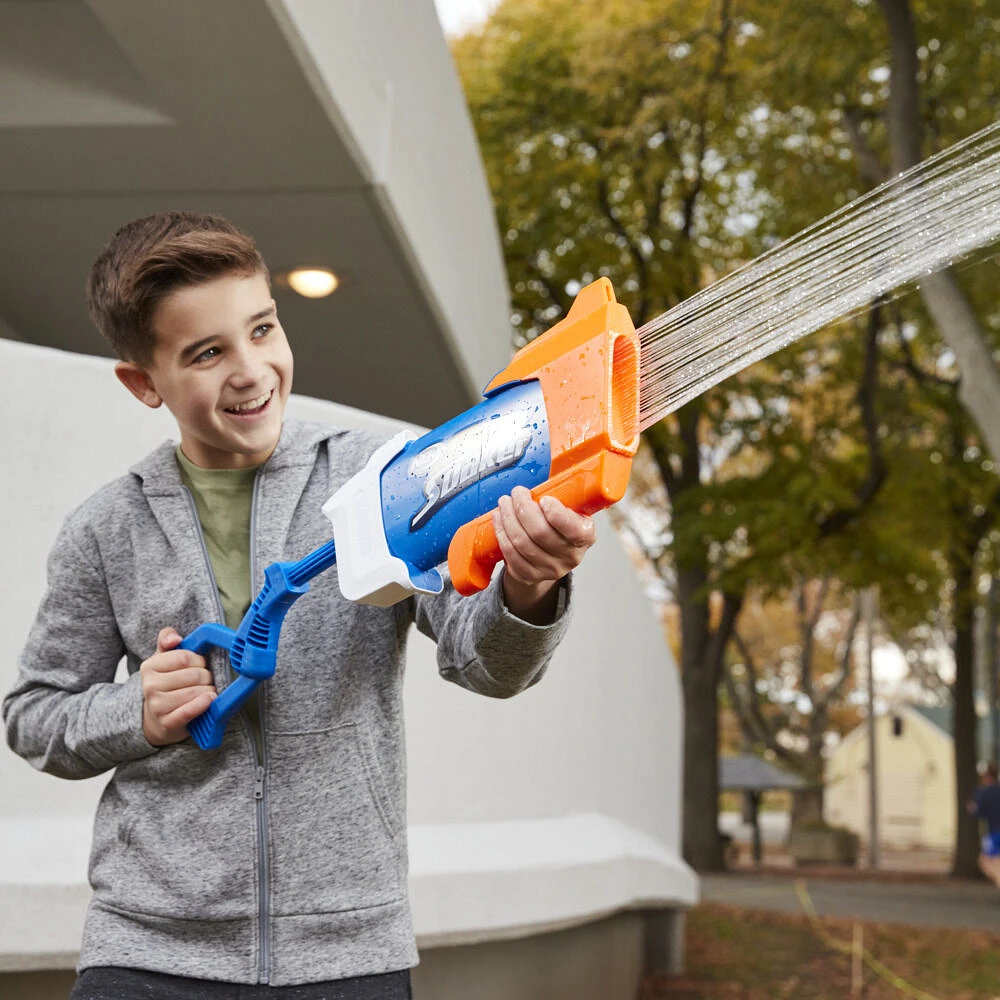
x=930, y=904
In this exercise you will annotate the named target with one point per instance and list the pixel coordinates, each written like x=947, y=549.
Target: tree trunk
x=807, y=806
x=702, y=844
x=702, y=649
x=942, y=294
x=807, y=803
x=965, y=859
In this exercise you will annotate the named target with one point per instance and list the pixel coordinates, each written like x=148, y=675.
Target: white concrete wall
x=541, y=812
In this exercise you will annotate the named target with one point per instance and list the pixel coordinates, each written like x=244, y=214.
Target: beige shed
x=915, y=770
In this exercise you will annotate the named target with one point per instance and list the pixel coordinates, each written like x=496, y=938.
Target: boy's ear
x=138, y=382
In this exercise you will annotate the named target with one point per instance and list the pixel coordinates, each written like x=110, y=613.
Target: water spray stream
x=909, y=227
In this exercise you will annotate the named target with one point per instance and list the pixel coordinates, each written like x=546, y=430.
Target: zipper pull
x=258, y=788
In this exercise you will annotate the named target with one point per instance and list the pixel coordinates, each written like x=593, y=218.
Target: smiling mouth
x=252, y=406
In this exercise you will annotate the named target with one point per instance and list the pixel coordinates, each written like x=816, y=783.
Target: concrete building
x=544, y=831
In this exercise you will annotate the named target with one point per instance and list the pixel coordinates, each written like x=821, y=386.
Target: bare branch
x=872, y=172
x=921, y=376
x=753, y=724
x=657, y=439
x=716, y=74
x=808, y=620
x=731, y=604
x=555, y=294
x=834, y=691
x=758, y=726
x=603, y=197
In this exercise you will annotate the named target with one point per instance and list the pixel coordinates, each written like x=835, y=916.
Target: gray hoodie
x=210, y=864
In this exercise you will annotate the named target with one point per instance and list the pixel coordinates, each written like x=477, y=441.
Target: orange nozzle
x=588, y=369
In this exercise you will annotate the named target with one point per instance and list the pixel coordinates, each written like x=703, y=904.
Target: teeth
x=253, y=404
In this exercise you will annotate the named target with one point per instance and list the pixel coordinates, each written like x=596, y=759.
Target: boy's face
x=223, y=368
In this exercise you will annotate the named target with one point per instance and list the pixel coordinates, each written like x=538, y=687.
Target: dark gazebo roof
x=747, y=772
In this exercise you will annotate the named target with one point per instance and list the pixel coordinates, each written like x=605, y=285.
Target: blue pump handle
x=253, y=647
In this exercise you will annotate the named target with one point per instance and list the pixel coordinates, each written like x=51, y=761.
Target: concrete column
x=663, y=953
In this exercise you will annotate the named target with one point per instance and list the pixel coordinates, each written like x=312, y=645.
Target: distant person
x=985, y=806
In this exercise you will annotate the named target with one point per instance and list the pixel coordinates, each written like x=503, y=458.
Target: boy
x=279, y=860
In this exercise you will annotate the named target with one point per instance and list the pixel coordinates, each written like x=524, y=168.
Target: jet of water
x=913, y=225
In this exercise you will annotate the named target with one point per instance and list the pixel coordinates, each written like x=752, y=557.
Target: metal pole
x=758, y=851
x=871, y=600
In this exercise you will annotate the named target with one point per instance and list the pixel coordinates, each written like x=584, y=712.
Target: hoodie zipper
x=260, y=759
x=264, y=950
x=259, y=755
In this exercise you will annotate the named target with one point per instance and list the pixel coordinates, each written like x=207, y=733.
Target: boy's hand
x=177, y=687
x=541, y=543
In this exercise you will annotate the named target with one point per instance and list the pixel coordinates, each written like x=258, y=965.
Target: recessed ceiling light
x=313, y=282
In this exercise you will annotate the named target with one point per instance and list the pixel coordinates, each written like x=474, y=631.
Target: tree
x=660, y=143
x=607, y=130
x=789, y=707
x=969, y=515
x=979, y=393
x=887, y=103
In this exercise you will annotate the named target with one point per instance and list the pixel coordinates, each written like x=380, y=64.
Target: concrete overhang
x=334, y=131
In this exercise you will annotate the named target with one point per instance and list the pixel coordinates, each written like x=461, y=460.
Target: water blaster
x=562, y=419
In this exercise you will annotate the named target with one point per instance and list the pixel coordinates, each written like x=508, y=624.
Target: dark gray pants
x=111, y=983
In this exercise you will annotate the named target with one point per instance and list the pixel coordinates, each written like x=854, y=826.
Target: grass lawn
x=738, y=954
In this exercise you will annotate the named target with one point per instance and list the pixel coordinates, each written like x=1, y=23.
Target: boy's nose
x=247, y=370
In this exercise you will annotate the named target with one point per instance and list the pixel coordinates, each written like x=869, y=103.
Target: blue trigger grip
x=208, y=729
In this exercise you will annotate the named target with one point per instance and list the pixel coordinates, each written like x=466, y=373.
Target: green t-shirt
x=224, y=501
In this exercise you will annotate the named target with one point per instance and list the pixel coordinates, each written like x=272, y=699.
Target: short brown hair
x=151, y=257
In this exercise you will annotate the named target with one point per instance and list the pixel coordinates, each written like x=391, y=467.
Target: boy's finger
x=190, y=710
x=175, y=659
x=548, y=529
x=525, y=527
x=577, y=529
x=513, y=559
x=532, y=518
x=178, y=708
x=185, y=677
x=529, y=559
x=167, y=639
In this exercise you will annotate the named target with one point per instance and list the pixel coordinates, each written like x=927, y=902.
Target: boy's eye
x=263, y=330
x=207, y=354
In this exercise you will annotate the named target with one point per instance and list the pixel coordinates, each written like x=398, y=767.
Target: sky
x=457, y=16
